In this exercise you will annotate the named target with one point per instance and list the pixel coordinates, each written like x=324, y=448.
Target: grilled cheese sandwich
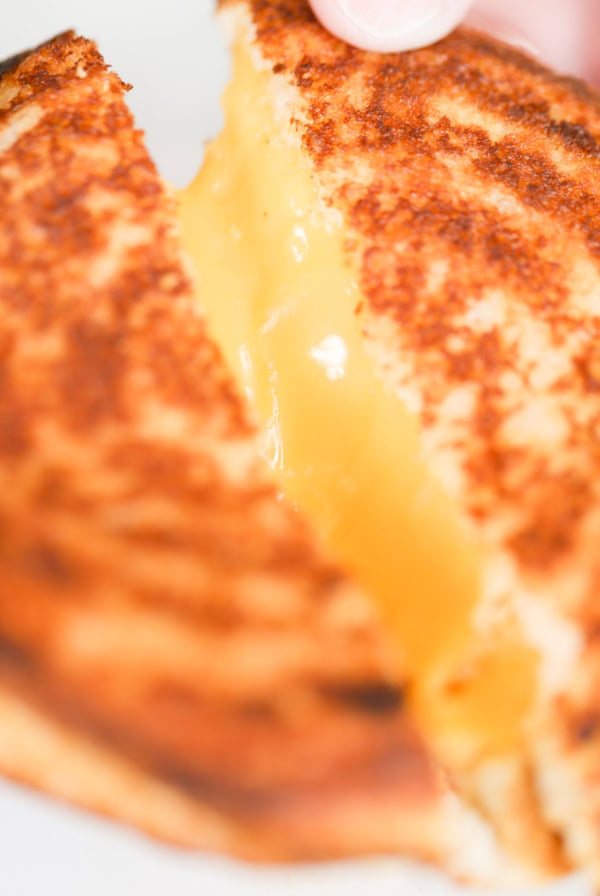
x=381, y=252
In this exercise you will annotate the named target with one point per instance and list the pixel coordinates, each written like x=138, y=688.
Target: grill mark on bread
x=371, y=697
x=13, y=655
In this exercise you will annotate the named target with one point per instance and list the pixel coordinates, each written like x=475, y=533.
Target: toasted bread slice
x=418, y=236
x=175, y=650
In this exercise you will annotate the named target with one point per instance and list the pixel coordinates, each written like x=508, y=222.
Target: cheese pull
x=345, y=447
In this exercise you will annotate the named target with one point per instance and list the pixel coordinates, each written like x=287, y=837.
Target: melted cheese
x=281, y=300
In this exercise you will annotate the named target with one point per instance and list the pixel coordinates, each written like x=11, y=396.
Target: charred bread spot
x=372, y=698
x=587, y=728
x=13, y=655
x=48, y=563
x=10, y=64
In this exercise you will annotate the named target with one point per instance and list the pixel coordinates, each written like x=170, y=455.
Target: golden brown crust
x=156, y=595
x=467, y=175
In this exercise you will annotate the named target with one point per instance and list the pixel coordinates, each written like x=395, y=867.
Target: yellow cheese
x=281, y=300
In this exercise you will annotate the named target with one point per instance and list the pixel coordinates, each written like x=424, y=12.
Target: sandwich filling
x=345, y=448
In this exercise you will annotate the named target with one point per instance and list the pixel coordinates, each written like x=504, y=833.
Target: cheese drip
x=282, y=300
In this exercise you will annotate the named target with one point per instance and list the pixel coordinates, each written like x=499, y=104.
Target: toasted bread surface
x=160, y=608
x=467, y=177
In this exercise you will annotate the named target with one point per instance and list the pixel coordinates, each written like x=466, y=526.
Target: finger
x=558, y=31
x=390, y=25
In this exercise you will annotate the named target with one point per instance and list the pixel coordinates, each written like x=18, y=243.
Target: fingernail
x=390, y=18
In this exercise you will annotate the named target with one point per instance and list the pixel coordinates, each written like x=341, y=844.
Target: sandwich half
x=176, y=651
x=401, y=256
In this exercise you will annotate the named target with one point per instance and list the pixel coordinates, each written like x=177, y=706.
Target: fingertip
x=390, y=25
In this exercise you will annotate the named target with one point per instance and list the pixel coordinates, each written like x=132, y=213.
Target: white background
x=172, y=52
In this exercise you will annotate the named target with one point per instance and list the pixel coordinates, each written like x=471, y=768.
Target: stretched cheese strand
x=282, y=301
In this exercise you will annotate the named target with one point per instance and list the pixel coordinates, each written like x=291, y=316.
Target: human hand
x=387, y=25
x=560, y=31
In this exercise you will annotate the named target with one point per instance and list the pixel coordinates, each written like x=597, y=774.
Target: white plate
x=173, y=54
